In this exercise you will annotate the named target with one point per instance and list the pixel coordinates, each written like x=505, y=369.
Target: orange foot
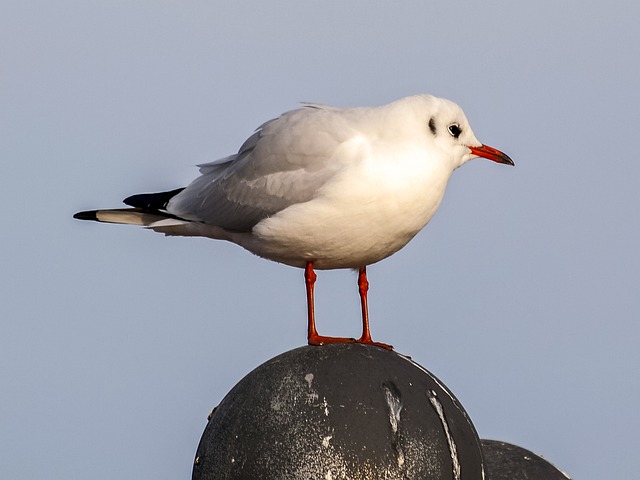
x=368, y=341
x=322, y=340
x=318, y=340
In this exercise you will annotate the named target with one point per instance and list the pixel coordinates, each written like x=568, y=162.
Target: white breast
x=371, y=209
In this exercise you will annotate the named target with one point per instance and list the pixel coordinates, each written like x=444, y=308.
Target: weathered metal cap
x=341, y=411
x=505, y=461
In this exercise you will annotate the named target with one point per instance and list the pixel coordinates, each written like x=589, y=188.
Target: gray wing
x=283, y=163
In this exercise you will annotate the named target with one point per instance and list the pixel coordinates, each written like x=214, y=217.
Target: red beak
x=491, y=154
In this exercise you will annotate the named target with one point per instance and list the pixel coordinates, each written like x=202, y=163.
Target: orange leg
x=312, y=337
x=363, y=287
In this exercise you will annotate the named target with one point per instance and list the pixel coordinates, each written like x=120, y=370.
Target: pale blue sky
x=521, y=294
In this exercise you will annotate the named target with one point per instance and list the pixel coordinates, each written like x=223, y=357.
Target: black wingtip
x=151, y=201
x=89, y=215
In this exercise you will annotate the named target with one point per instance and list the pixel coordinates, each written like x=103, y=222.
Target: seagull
x=322, y=188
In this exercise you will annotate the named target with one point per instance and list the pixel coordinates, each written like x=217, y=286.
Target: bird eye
x=454, y=130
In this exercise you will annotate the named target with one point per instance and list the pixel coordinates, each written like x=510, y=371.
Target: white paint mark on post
x=453, y=451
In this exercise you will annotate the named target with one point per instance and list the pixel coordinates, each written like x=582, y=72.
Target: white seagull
x=322, y=187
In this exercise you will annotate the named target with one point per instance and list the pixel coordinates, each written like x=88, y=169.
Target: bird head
x=450, y=131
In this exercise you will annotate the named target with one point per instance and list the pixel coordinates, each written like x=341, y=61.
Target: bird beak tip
x=492, y=154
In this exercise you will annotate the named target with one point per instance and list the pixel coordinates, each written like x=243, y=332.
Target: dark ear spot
x=432, y=125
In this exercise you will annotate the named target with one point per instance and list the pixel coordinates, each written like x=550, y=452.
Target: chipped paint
x=395, y=407
x=455, y=463
x=309, y=378
x=392, y=397
x=325, y=406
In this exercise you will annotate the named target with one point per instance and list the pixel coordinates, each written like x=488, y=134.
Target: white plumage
x=320, y=186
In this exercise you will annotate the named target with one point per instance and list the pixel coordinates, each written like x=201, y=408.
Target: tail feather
x=158, y=222
x=129, y=216
x=149, y=211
